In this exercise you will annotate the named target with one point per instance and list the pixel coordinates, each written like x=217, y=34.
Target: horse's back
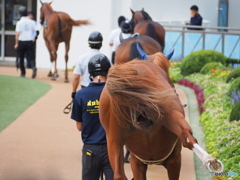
x=152, y=29
x=123, y=53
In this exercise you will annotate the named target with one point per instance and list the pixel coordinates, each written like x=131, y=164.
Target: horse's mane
x=133, y=91
x=146, y=15
x=160, y=60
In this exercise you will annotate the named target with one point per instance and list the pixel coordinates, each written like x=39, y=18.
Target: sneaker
x=34, y=74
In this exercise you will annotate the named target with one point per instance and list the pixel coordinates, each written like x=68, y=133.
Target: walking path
x=44, y=144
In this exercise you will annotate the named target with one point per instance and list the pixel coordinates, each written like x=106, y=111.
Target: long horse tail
x=151, y=32
x=78, y=22
x=133, y=50
x=134, y=94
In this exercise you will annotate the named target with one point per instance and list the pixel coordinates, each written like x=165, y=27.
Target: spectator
x=86, y=114
x=115, y=33
x=196, y=18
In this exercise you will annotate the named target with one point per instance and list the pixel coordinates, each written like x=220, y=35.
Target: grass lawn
x=16, y=95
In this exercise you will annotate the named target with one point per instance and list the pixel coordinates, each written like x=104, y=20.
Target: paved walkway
x=44, y=144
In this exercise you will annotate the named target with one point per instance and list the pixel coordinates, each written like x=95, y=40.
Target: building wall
x=98, y=12
x=234, y=14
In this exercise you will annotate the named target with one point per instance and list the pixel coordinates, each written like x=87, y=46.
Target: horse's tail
x=78, y=22
x=134, y=94
x=151, y=32
x=133, y=50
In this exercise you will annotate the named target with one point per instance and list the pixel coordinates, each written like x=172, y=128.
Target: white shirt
x=27, y=28
x=117, y=42
x=114, y=33
x=82, y=66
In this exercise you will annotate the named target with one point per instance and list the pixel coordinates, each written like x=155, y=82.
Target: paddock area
x=43, y=142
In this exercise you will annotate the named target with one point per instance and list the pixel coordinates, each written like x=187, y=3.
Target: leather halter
x=149, y=162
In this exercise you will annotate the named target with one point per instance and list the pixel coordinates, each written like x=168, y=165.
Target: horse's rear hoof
x=49, y=74
x=66, y=80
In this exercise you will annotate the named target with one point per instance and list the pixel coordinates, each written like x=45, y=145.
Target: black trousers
x=29, y=63
x=113, y=57
x=95, y=163
x=26, y=47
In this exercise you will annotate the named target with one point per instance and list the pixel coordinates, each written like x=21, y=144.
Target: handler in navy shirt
x=86, y=114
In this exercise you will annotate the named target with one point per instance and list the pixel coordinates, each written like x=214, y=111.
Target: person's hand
x=73, y=95
x=16, y=46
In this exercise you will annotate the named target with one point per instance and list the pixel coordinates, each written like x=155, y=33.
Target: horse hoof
x=49, y=74
x=66, y=80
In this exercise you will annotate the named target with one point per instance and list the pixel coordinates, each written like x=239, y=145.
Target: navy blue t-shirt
x=86, y=110
x=196, y=20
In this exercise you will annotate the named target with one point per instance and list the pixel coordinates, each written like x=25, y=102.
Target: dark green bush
x=234, y=86
x=235, y=113
x=233, y=74
x=196, y=60
x=235, y=61
x=207, y=68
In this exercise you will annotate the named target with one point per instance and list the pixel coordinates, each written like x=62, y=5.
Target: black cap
x=95, y=38
x=23, y=11
x=126, y=26
x=120, y=20
x=98, y=65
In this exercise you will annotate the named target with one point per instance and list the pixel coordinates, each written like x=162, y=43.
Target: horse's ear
x=170, y=54
x=142, y=9
x=50, y=3
x=142, y=54
x=132, y=11
x=41, y=2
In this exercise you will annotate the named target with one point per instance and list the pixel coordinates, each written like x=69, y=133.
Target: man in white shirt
x=81, y=70
x=24, y=40
x=126, y=29
x=115, y=33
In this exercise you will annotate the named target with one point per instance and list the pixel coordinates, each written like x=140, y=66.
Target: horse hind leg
x=138, y=168
x=67, y=45
x=53, y=52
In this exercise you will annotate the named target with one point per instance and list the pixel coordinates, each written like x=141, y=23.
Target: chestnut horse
x=57, y=29
x=143, y=24
x=139, y=108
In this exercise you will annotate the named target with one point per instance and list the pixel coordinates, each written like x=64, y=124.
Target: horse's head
x=138, y=16
x=45, y=10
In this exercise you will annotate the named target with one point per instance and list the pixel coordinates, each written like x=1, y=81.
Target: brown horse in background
x=143, y=24
x=57, y=29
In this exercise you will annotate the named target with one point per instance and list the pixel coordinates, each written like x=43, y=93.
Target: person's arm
x=79, y=126
x=16, y=40
x=77, y=113
x=76, y=80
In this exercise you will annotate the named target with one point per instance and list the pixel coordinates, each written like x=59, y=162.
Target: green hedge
x=235, y=114
x=207, y=68
x=233, y=74
x=195, y=61
x=235, y=85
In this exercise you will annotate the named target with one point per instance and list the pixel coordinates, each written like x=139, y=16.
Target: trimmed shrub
x=207, y=68
x=196, y=60
x=235, y=86
x=233, y=74
x=235, y=113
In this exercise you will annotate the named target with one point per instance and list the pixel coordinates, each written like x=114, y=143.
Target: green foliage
x=195, y=61
x=207, y=68
x=235, y=61
x=233, y=74
x=235, y=114
x=221, y=135
x=174, y=72
x=235, y=85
